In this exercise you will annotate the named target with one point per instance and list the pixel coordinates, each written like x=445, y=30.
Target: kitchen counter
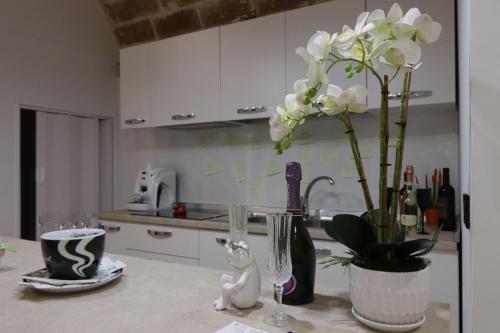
x=155, y=296
x=447, y=240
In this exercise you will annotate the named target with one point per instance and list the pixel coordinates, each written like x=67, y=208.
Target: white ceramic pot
x=386, y=297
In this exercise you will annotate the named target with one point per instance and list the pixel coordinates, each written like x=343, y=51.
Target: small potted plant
x=389, y=278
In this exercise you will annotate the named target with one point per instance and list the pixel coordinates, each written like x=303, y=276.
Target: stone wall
x=141, y=21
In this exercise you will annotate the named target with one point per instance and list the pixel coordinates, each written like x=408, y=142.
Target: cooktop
x=191, y=214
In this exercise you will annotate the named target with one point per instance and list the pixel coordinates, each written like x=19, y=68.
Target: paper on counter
x=274, y=167
x=237, y=327
x=212, y=168
x=239, y=173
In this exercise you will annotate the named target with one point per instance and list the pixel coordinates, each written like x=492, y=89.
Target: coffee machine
x=154, y=189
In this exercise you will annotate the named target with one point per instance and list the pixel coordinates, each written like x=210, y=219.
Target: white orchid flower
x=338, y=100
x=318, y=46
x=422, y=26
x=401, y=53
x=349, y=36
x=294, y=103
x=384, y=27
x=277, y=128
x=316, y=73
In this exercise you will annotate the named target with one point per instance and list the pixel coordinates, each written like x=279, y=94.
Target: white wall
x=56, y=54
x=485, y=164
x=432, y=142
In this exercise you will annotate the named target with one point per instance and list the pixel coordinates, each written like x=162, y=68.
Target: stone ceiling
x=141, y=21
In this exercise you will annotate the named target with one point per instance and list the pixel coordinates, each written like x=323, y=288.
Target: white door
x=252, y=67
x=67, y=164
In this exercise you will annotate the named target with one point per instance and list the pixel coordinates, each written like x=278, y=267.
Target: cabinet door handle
x=134, y=121
x=159, y=233
x=111, y=228
x=413, y=94
x=324, y=252
x=183, y=116
x=252, y=109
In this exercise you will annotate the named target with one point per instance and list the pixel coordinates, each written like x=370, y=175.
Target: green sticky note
x=274, y=167
x=255, y=188
x=304, y=156
x=366, y=151
x=349, y=171
x=230, y=140
x=239, y=173
x=304, y=138
x=206, y=139
x=255, y=143
x=329, y=157
x=212, y=168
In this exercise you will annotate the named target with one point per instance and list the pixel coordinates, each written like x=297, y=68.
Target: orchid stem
x=400, y=144
x=359, y=165
x=382, y=229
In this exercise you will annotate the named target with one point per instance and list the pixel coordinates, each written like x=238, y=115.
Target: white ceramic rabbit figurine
x=242, y=289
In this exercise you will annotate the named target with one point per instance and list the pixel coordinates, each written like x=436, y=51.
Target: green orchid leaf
x=376, y=251
x=350, y=230
x=413, y=248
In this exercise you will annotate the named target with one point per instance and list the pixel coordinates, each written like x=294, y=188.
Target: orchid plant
x=393, y=40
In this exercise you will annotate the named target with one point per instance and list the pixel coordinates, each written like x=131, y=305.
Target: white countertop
x=155, y=296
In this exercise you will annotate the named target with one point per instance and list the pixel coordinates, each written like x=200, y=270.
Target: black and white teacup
x=73, y=253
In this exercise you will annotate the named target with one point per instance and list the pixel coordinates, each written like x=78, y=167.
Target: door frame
x=16, y=187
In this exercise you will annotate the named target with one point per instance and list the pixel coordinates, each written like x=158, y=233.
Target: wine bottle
x=409, y=205
x=446, y=203
x=300, y=288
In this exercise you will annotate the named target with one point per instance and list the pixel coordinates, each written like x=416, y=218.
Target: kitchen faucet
x=305, y=198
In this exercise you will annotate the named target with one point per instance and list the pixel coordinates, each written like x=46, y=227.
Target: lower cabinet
x=171, y=244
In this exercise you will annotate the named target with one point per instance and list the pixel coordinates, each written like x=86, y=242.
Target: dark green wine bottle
x=300, y=288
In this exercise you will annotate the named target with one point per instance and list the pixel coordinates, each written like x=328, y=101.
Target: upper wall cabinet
x=302, y=23
x=252, y=67
x=437, y=73
x=185, y=79
x=134, y=87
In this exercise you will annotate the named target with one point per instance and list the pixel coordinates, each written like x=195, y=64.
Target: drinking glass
x=238, y=223
x=279, y=262
x=423, y=200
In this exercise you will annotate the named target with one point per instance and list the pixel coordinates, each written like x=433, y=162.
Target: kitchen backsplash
x=238, y=164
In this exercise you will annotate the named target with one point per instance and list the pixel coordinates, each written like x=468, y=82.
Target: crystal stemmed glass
x=279, y=263
x=423, y=200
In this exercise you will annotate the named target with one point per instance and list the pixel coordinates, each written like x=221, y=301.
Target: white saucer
x=388, y=327
x=71, y=288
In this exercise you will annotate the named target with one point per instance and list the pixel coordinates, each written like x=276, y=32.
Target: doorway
x=66, y=166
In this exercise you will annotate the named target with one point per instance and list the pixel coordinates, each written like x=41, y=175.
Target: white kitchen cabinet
x=172, y=244
x=437, y=73
x=134, y=87
x=302, y=23
x=185, y=79
x=252, y=67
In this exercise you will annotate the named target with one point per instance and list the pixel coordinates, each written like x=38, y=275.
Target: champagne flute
x=280, y=262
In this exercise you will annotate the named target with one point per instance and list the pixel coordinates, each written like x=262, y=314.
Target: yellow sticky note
x=349, y=171
x=393, y=139
x=239, y=173
x=230, y=140
x=366, y=151
x=329, y=157
x=212, y=168
x=306, y=177
x=255, y=143
x=206, y=139
x=274, y=167
x=255, y=188
x=304, y=138
x=304, y=156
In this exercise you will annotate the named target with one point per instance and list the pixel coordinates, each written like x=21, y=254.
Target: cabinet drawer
x=162, y=257
x=165, y=240
x=117, y=236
